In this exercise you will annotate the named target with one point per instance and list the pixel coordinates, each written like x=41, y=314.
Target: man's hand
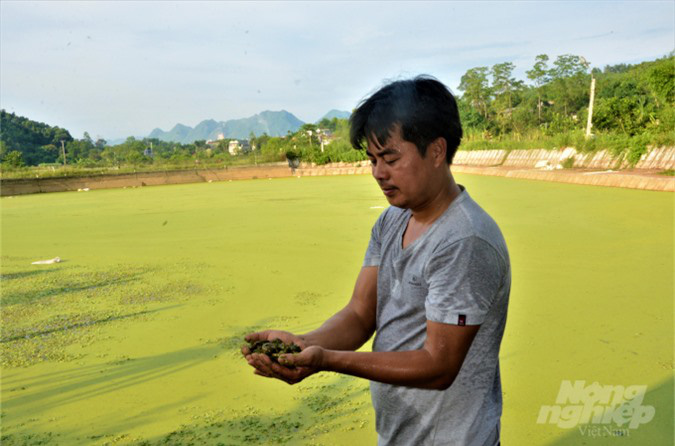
x=292, y=367
x=311, y=358
x=290, y=372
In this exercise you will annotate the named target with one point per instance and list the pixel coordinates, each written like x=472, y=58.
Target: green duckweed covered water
x=134, y=337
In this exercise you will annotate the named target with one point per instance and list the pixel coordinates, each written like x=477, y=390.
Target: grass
x=134, y=337
x=70, y=171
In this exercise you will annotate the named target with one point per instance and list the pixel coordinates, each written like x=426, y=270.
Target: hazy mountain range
x=274, y=123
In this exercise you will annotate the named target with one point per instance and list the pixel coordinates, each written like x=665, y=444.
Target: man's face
x=400, y=171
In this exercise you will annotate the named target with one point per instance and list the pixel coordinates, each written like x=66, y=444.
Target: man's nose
x=380, y=171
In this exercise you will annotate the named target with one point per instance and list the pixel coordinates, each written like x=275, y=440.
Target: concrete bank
x=662, y=158
x=599, y=168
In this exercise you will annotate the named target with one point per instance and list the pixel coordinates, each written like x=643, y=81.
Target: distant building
x=214, y=142
x=237, y=146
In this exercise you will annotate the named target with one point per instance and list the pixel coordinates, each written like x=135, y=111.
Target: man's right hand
x=264, y=366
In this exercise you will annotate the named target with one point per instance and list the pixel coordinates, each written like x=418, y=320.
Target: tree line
x=629, y=99
x=633, y=109
x=24, y=142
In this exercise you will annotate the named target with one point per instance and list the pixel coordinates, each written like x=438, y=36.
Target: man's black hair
x=422, y=107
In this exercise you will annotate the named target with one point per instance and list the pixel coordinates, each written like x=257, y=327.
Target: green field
x=134, y=337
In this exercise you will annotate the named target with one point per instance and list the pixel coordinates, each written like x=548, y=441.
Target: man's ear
x=437, y=149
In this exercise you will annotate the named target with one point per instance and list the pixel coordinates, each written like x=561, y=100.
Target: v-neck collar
x=408, y=215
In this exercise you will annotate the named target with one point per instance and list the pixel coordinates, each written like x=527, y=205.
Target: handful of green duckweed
x=274, y=348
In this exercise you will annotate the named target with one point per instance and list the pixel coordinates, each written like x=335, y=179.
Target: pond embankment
x=39, y=185
x=566, y=165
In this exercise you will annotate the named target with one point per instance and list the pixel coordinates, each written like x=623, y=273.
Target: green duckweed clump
x=274, y=348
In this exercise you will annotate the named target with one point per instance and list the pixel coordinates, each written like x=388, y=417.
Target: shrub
x=13, y=160
x=568, y=163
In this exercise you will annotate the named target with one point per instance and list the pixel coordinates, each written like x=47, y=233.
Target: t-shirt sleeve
x=464, y=278
x=373, y=252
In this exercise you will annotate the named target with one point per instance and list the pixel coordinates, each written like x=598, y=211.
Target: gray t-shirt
x=457, y=272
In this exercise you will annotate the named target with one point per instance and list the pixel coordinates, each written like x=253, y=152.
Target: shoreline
x=565, y=165
x=644, y=179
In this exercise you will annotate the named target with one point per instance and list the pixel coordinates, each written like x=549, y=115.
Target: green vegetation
x=306, y=145
x=633, y=106
x=568, y=163
x=34, y=141
x=85, y=157
x=134, y=337
x=634, y=109
x=60, y=171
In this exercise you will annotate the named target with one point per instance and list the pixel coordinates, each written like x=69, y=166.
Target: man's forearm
x=344, y=331
x=415, y=368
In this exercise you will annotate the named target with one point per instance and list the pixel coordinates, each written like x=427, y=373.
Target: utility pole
x=63, y=152
x=589, y=123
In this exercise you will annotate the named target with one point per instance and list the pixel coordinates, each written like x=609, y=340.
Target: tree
x=474, y=84
x=60, y=135
x=13, y=159
x=79, y=149
x=503, y=87
x=261, y=140
x=308, y=131
x=568, y=79
x=29, y=137
x=661, y=81
x=539, y=75
x=618, y=68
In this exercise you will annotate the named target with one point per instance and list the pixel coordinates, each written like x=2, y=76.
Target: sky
x=116, y=69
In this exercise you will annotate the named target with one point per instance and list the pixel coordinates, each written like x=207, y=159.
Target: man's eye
x=391, y=161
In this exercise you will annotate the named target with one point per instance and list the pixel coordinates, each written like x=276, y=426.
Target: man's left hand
x=292, y=368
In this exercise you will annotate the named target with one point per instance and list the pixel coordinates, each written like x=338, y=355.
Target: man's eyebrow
x=384, y=152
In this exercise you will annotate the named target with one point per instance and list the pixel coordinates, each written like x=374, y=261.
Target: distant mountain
x=274, y=123
x=178, y=133
x=340, y=114
x=116, y=141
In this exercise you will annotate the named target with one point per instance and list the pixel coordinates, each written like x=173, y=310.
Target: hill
x=340, y=114
x=37, y=142
x=274, y=123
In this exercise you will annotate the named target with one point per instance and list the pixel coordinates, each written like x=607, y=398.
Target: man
x=434, y=286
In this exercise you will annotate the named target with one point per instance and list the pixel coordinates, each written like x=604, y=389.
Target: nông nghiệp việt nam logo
x=596, y=404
